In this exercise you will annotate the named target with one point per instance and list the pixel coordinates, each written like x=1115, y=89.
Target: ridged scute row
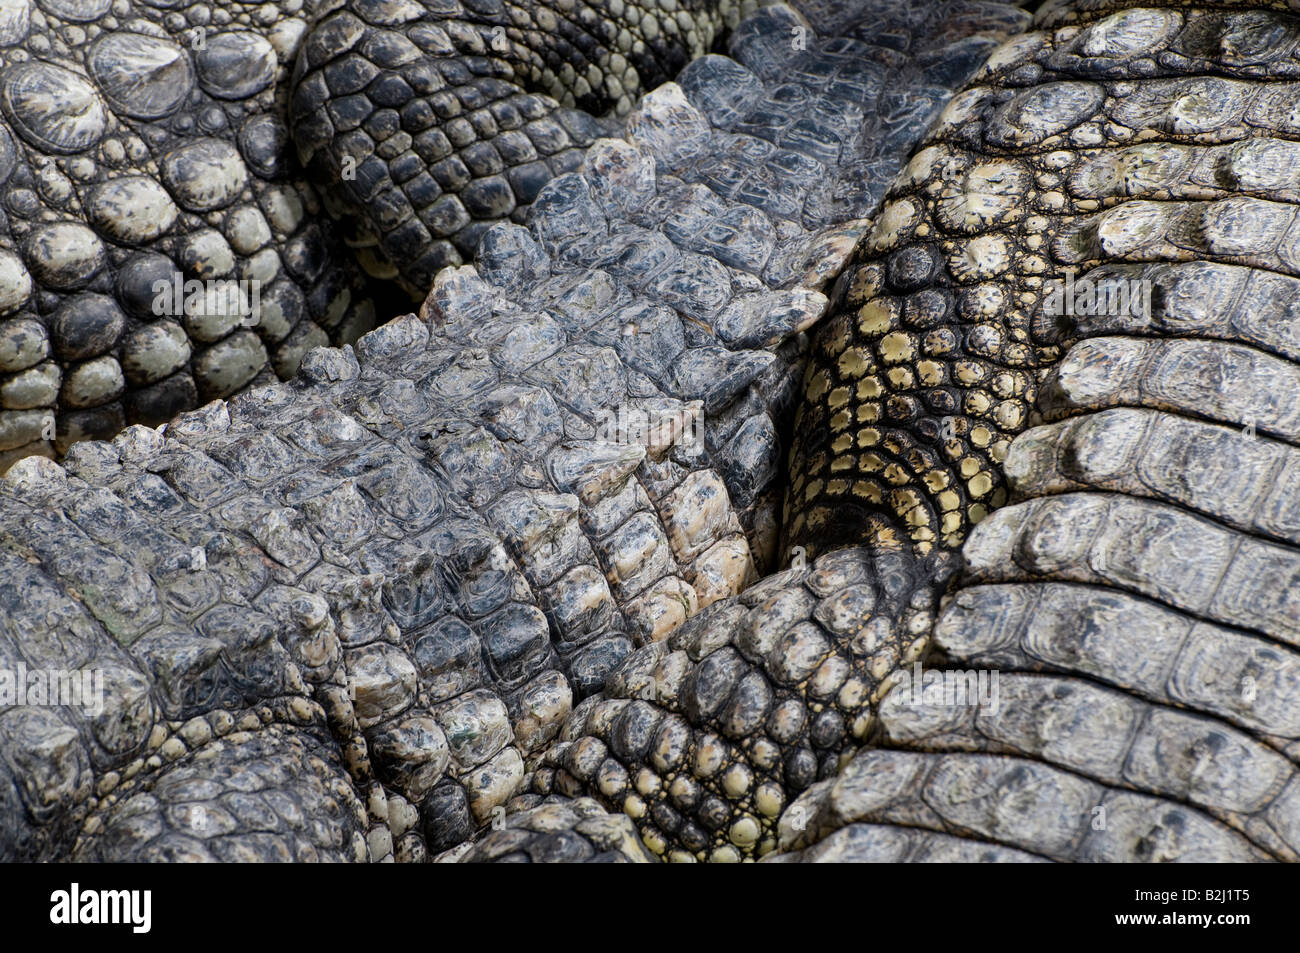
x=431, y=546
x=1096, y=141
x=1115, y=676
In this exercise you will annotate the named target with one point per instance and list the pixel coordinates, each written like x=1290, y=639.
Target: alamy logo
x=79, y=688
x=103, y=906
x=935, y=688
x=1108, y=296
x=226, y=297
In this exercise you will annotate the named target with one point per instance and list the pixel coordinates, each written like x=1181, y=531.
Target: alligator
x=501, y=580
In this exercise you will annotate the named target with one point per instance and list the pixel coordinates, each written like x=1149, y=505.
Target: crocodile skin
x=406, y=567
x=144, y=143
x=428, y=123
x=1136, y=598
x=160, y=245
x=413, y=595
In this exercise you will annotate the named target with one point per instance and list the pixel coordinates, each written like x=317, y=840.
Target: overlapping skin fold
x=1134, y=599
x=1043, y=602
x=144, y=146
x=410, y=565
x=162, y=245
x=428, y=123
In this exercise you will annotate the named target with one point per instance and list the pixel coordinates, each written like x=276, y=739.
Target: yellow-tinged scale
x=1009, y=415
x=868, y=490
x=866, y=283
x=979, y=484
x=608, y=785
x=895, y=474
x=876, y=316
x=817, y=387
x=901, y=377
x=940, y=342
x=896, y=347
x=647, y=783
x=745, y=832
x=853, y=695
x=853, y=363
x=736, y=780
x=837, y=337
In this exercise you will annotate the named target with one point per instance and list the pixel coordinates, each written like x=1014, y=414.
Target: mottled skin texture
x=1136, y=599
x=406, y=567
x=413, y=561
x=140, y=143
x=143, y=143
x=425, y=574
x=429, y=124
